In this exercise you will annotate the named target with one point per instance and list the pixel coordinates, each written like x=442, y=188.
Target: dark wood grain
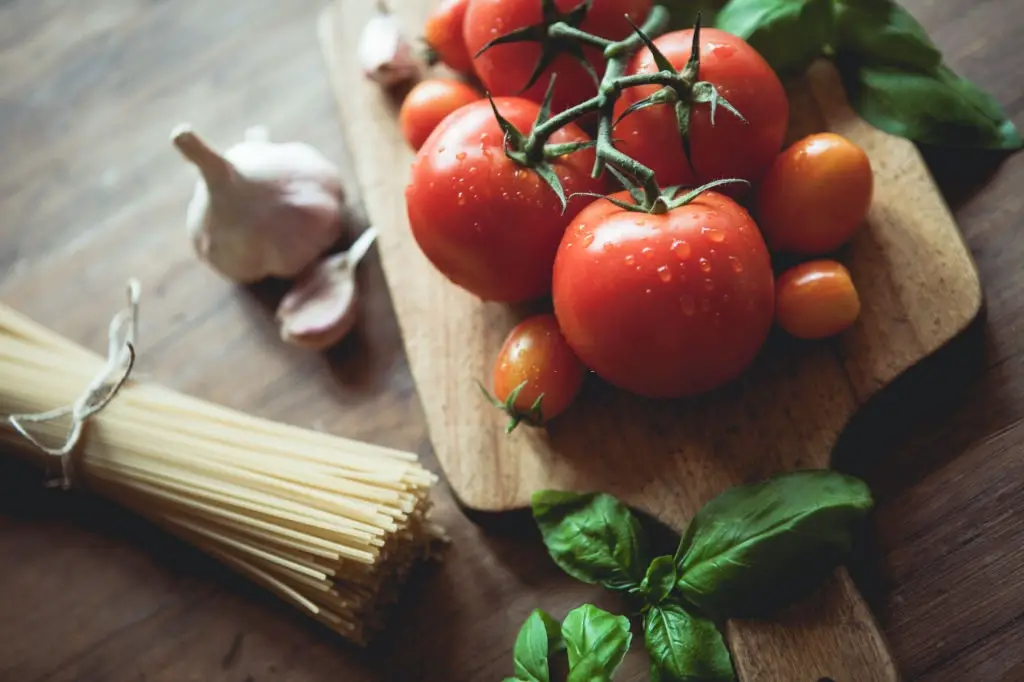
x=92, y=193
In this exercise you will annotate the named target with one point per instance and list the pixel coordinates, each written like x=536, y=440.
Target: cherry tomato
x=487, y=223
x=815, y=195
x=665, y=305
x=536, y=374
x=506, y=69
x=816, y=299
x=428, y=103
x=729, y=148
x=443, y=34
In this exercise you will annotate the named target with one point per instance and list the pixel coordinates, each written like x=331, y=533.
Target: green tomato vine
x=560, y=33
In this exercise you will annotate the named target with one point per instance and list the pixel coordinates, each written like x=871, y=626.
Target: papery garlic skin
x=385, y=55
x=262, y=209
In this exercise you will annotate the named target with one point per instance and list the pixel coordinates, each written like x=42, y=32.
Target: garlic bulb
x=384, y=53
x=262, y=209
x=321, y=307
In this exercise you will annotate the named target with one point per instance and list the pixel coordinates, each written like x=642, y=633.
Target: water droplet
x=688, y=305
x=520, y=174
x=725, y=298
x=430, y=186
x=682, y=249
x=472, y=170
x=716, y=236
x=472, y=188
x=460, y=156
x=647, y=291
x=647, y=252
x=705, y=304
x=705, y=264
x=504, y=195
x=484, y=137
x=736, y=263
x=664, y=274
x=709, y=285
x=461, y=198
x=629, y=259
x=587, y=239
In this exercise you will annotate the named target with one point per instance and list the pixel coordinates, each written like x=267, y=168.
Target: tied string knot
x=97, y=395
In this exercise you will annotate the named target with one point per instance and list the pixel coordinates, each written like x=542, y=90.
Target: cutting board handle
x=830, y=636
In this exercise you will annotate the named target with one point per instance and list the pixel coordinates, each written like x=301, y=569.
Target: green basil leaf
x=754, y=547
x=596, y=642
x=591, y=536
x=660, y=579
x=685, y=647
x=789, y=34
x=881, y=32
x=938, y=108
x=539, y=637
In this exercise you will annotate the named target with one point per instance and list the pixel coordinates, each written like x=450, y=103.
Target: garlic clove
x=320, y=309
x=384, y=52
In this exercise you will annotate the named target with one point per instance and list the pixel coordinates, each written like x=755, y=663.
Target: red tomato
x=665, y=305
x=506, y=69
x=428, y=103
x=536, y=374
x=443, y=34
x=816, y=299
x=815, y=195
x=487, y=223
x=730, y=148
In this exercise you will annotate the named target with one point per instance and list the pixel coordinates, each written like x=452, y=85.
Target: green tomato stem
x=563, y=30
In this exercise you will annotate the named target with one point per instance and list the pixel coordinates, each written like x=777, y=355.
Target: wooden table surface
x=92, y=194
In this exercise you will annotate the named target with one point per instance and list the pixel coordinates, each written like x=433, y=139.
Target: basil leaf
x=591, y=536
x=539, y=637
x=752, y=548
x=660, y=579
x=685, y=647
x=881, y=32
x=789, y=34
x=596, y=642
x=938, y=108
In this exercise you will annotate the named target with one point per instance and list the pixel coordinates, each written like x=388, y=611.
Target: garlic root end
x=214, y=167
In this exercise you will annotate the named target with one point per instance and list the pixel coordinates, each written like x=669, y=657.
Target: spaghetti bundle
x=329, y=524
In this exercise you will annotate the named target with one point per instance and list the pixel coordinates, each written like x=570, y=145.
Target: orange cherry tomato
x=815, y=195
x=443, y=34
x=536, y=374
x=816, y=299
x=428, y=103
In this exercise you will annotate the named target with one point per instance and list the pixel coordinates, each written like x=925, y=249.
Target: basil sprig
x=893, y=73
x=749, y=542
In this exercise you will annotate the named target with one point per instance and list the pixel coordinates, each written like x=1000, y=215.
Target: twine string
x=121, y=340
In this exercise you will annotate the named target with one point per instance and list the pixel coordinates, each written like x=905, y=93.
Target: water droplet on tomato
x=520, y=174
x=629, y=259
x=647, y=252
x=460, y=156
x=588, y=239
x=647, y=291
x=736, y=263
x=461, y=199
x=682, y=249
x=705, y=264
x=484, y=137
x=472, y=170
x=664, y=274
x=705, y=304
x=688, y=305
x=716, y=236
x=709, y=285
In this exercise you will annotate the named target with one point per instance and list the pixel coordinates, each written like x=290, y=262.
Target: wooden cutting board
x=918, y=286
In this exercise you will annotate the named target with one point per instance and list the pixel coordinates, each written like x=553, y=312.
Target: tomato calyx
x=565, y=39
x=531, y=416
x=665, y=201
x=537, y=158
x=681, y=91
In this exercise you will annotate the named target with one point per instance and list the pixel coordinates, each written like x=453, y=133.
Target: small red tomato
x=487, y=223
x=428, y=103
x=443, y=34
x=728, y=148
x=506, y=69
x=815, y=195
x=665, y=305
x=816, y=299
x=536, y=374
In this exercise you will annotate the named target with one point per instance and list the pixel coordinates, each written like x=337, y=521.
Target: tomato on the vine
x=506, y=69
x=665, y=305
x=815, y=196
x=428, y=103
x=489, y=224
x=730, y=147
x=443, y=34
x=816, y=299
x=536, y=375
